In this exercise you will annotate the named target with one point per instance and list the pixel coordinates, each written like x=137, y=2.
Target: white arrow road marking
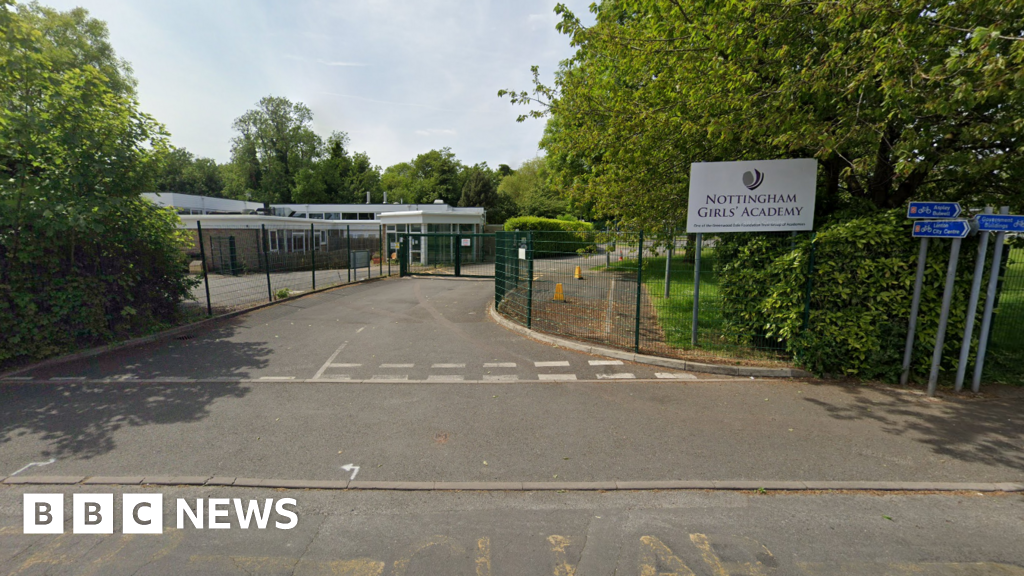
x=31, y=464
x=351, y=468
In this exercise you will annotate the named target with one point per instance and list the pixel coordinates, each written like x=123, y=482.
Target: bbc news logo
x=144, y=513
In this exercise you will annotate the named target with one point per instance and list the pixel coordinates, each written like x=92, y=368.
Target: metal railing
x=243, y=267
x=629, y=291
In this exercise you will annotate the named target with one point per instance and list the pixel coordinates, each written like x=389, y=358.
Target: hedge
x=122, y=276
x=862, y=285
x=555, y=237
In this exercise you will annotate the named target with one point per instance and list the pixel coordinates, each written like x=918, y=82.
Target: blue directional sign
x=942, y=229
x=1000, y=223
x=934, y=210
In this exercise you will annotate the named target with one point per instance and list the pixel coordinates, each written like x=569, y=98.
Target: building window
x=316, y=216
x=299, y=241
x=320, y=240
x=274, y=243
x=366, y=216
x=350, y=216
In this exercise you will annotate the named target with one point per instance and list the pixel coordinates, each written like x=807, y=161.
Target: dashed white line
x=389, y=377
x=501, y=377
x=336, y=378
x=674, y=376
x=397, y=365
x=618, y=376
x=344, y=365
x=556, y=376
x=361, y=329
x=19, y=378
x=445, y=378
x=556, y=363
x=277, y=377
x=60, y=378
x=448, y=366
x=499, y=365
x=606, y=362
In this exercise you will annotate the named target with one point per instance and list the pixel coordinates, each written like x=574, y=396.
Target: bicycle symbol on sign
x=924, y=210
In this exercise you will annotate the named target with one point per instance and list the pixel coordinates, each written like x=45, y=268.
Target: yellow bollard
x=559, y=296
x=579, y=273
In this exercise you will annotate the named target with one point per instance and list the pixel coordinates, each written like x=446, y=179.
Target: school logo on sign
x=753, y=179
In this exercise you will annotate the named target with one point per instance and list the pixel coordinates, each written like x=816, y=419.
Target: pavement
x=408, y=380
x=544, y=533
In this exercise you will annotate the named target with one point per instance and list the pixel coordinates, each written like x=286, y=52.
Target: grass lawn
x=675, y=313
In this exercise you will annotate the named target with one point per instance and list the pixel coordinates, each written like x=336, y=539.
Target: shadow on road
x=982, y=431
x=78, y=420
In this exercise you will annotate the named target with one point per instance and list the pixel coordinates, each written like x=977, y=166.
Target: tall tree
x=896, y=100
x=337, y=177
x=529, y=189
x=275, y=142
x=181, y=171
x=433, y=175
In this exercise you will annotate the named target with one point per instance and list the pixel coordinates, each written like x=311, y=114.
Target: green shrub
x=555, y=237
x=862, y=284
x=283, y=293
x=120, y=272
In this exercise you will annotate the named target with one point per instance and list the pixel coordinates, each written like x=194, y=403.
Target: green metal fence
x=443, y=253
x=242, y=267
x=1006, y=346
x=625, y=290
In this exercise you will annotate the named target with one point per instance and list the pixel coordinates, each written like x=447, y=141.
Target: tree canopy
x=897, y=101
x=275, y=142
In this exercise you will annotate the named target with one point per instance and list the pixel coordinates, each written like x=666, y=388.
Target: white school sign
x=752, y=196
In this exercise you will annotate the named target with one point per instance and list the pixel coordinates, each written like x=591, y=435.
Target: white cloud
x=436, y=132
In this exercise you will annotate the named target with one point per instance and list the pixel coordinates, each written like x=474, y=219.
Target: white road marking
x=336, y=378
x=618, y=376
x=606, y=362
x=389, y=377
x=448, y=366
x=351, y=468
x=58, y=378
x=551, y=364
x=444, y=378
x=31, y=464
x=19, y=378
x=361, y=329
x=344, y=365
x=674, y=376
x=277, y=377
x=501, y=377
x=174, y=378
x=499, y=365
x=397, y=365
x=327, y=364
x=556, y=376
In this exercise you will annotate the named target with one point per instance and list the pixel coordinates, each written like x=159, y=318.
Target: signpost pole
x=696, y=289
x=972, y=307
x=947, y=298
x=668, y=262
x=312, y=250
x=915, y=304
x=990, y=299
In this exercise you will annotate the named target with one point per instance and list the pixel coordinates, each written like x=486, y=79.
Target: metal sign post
x=985, y=223
x=972, y=308
x=957, y=230
x=947, y=298
x=696, y=289
x=915, y=304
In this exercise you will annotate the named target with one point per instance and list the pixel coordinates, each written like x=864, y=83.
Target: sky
x=400, y=77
